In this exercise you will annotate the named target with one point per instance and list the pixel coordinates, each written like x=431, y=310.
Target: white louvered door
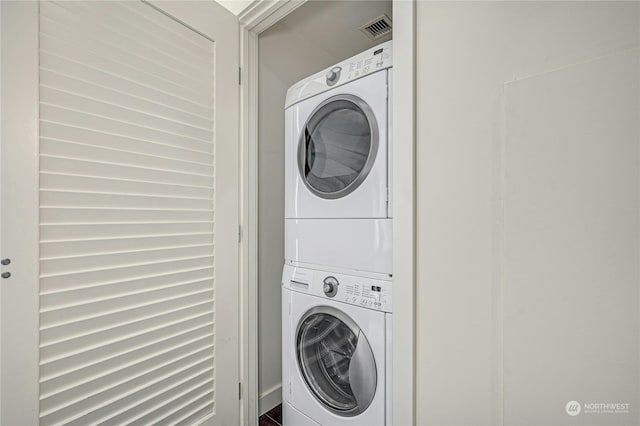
x=130, y=160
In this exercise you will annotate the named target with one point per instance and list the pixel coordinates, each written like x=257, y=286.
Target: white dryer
x=336, y=355
x=338, y=165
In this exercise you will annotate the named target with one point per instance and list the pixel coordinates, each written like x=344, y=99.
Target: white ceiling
x=334, y=25
x=235, y=6
x=349, y=12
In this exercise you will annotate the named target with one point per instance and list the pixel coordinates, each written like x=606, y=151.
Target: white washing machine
x=336, y=348
x=338, y=165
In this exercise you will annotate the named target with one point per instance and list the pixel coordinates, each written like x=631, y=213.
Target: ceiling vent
x=377, y=28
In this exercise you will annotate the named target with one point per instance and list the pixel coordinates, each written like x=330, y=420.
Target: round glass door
x=336, y=361
x=338, y=146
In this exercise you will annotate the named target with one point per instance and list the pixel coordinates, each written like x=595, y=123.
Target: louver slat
x=127, y=307
x=76, y=232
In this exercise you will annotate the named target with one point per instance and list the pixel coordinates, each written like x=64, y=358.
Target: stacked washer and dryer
x=336, y=283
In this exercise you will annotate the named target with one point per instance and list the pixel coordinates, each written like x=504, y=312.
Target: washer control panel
x=364, y=291
x=367, y=294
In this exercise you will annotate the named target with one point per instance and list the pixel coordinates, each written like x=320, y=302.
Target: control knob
x=333, y=75
x=330, y=286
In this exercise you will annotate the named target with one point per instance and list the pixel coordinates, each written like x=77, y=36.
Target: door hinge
x=239, y=75
x=239, y=233
x=239, y=390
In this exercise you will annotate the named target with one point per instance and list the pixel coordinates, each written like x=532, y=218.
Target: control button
x=333, y=75
x=330, y=286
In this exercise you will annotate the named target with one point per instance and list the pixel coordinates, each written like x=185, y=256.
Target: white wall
x=528, y=211
x=315, y=36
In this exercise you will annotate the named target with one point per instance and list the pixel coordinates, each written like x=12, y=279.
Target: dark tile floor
x=272, y=417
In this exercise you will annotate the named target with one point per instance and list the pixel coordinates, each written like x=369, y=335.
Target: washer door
x=336, y=361
x=337, y=146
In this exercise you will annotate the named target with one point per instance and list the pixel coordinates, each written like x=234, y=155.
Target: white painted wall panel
x=466, y=53
x=572, y=215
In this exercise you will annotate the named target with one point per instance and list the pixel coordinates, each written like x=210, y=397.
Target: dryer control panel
x=372, y=60
x=366, y=291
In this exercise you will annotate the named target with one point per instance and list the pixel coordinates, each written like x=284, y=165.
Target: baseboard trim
x=269, y=398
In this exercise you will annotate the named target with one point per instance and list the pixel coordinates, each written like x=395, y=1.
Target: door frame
x=255, y=19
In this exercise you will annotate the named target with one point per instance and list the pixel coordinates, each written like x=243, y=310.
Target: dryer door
x=338, y=146
x=336, y=361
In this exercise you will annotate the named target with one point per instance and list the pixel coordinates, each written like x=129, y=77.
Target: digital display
x=376, y=288
x=377, y=52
